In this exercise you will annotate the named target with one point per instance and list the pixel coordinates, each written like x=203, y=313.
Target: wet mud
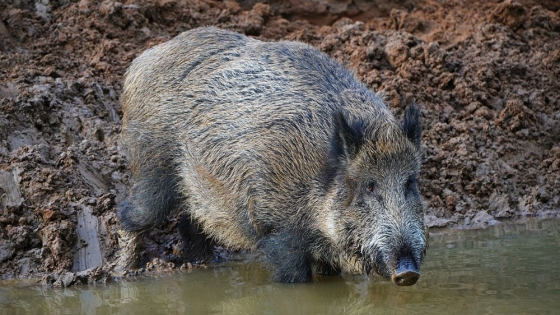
x=486, y=75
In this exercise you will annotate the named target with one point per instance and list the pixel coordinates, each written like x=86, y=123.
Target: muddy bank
x=485, y=75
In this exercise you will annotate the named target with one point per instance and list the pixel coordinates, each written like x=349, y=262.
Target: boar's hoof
x=406, y=273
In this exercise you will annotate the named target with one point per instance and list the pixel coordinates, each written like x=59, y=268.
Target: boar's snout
x=406, y=272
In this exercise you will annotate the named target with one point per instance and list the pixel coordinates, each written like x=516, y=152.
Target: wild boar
x=275, y=147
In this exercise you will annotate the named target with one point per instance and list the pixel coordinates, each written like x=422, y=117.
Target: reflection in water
x=509, y=269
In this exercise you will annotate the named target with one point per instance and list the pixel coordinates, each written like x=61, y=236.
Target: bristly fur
x=272, y=147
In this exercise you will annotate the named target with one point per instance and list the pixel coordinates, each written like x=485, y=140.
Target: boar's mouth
x=378, y=265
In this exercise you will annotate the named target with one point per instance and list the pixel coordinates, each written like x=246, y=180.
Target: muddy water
x=511, y=269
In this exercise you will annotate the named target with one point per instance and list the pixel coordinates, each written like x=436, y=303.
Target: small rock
x=483, y=219
x=397, y=52
x=434, y=222
x=6, y=250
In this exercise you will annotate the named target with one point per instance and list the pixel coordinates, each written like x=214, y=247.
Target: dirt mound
x=486, y=76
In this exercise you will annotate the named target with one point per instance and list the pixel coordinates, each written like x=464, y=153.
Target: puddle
x=507, y=269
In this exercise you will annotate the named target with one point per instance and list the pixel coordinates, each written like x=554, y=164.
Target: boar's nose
x=407, y=273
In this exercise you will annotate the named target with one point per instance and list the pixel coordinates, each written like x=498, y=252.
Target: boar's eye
x=371, y=187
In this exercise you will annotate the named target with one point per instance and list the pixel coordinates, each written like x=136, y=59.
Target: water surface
x=508, y=269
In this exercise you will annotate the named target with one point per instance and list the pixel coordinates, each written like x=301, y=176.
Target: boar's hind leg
x=198, y=247
x=287, y=254
x=153, y=195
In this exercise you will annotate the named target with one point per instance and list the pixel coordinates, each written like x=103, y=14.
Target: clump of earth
x=486, y=75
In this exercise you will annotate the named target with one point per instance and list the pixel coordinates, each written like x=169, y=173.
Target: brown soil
x=486, y=75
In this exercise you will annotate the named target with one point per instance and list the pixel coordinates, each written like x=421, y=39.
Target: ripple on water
x=506, y=269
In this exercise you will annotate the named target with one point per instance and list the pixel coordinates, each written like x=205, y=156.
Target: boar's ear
x=347, y=139
x=412, y=126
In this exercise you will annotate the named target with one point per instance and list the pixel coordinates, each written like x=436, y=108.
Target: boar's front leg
x=288, y=256
x=324, y=268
